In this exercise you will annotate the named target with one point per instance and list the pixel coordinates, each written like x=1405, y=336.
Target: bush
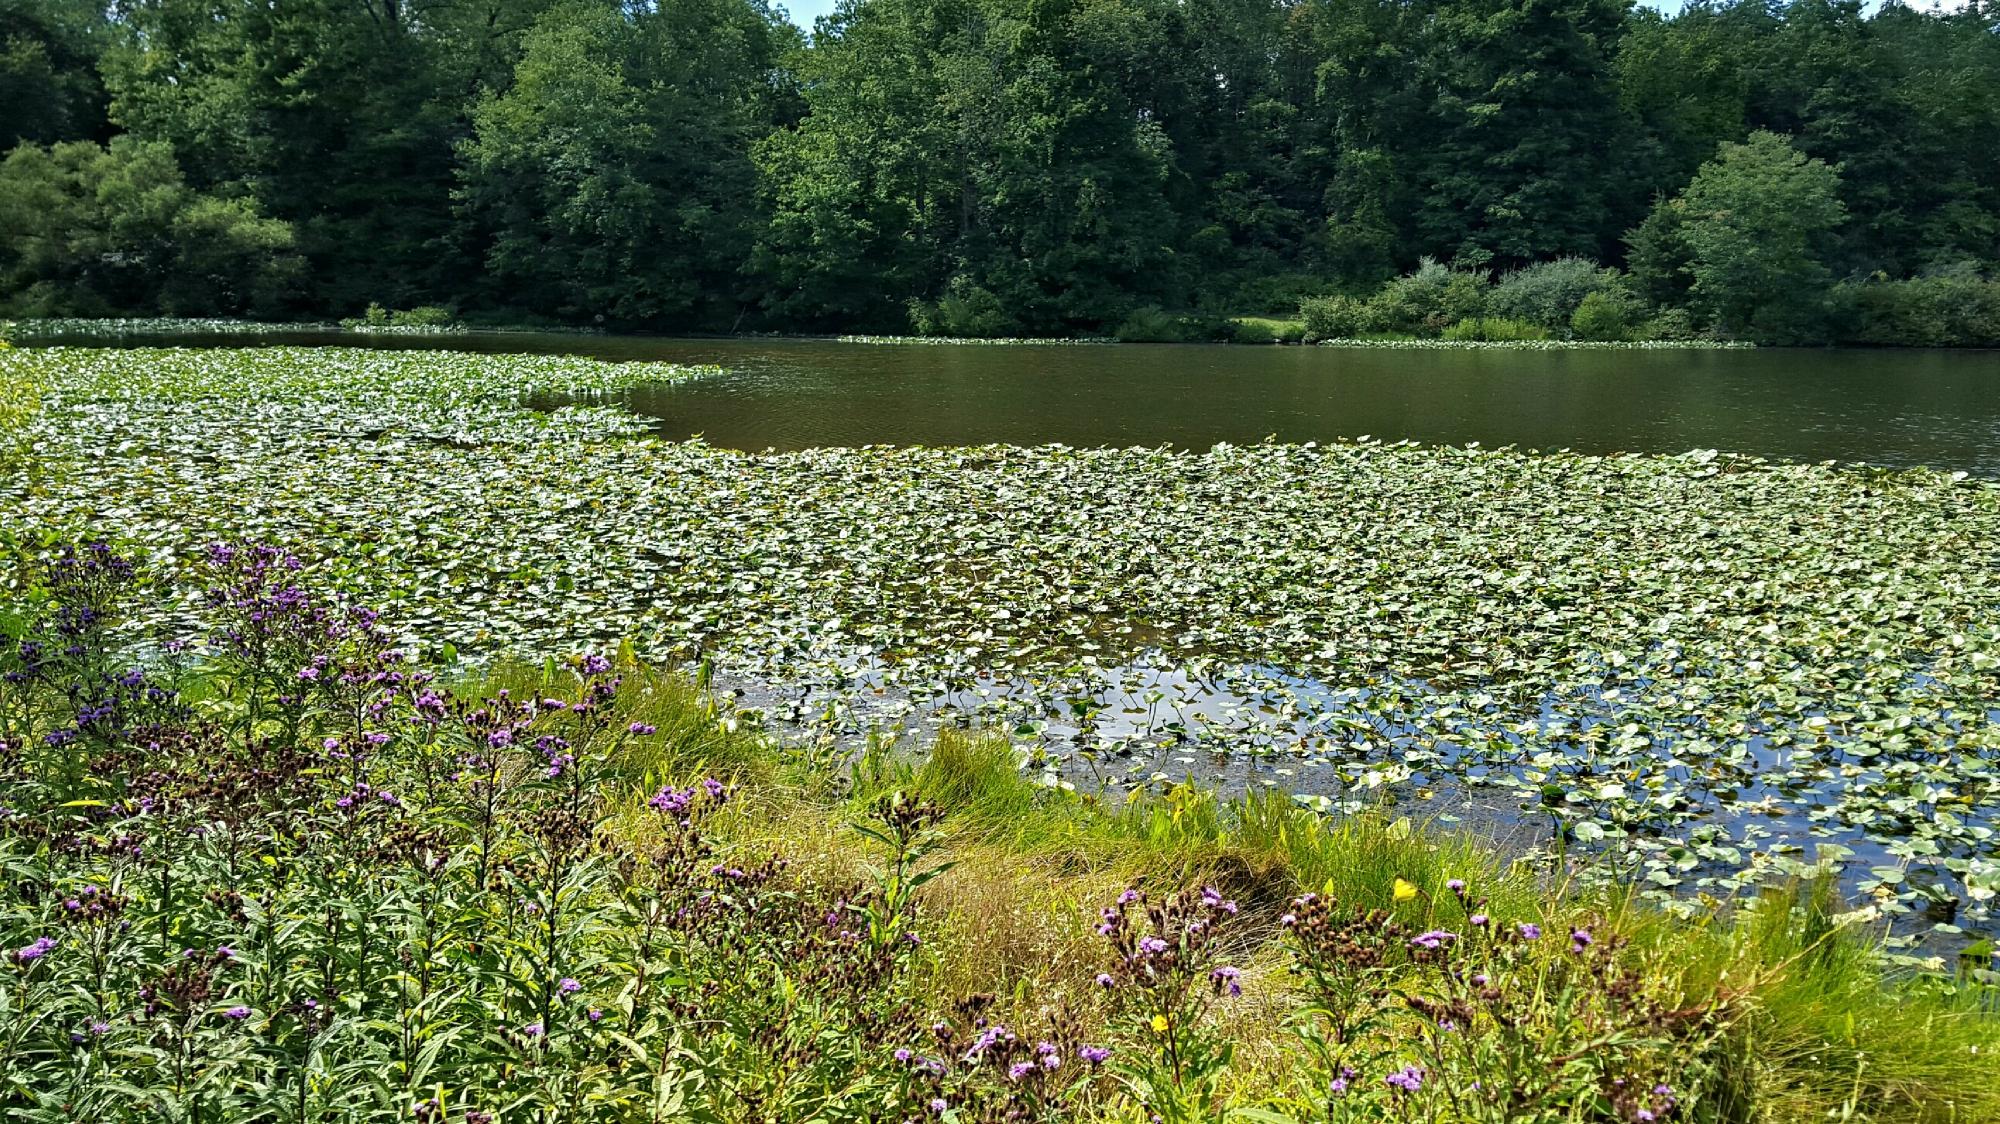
x=1602, y=317
x=966, y=309
x=423, y=316
x=1260, y=329
x=1494, y=329
x=1954, y=308
x=1549, y=293
x=1148, y=325
x=1428, y=300
x=1671, y=324
x=1336, y=317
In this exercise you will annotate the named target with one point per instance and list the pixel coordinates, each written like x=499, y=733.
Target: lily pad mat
x=1708, y=662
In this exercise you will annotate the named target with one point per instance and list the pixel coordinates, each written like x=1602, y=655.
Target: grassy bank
x=284, y=872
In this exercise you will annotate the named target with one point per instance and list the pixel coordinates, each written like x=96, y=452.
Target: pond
x=1899, y=408
x=1703, y=670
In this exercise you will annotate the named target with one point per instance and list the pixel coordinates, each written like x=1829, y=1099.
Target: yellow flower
x=1160, y=1024
x=1404, y=891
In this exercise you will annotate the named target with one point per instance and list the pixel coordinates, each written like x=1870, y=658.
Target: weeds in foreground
x=284, y=873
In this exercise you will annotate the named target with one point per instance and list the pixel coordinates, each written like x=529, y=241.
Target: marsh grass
x=954, y=888
x=1825, y=1033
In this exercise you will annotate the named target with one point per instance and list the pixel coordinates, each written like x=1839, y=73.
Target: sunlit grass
x=1824, y=1031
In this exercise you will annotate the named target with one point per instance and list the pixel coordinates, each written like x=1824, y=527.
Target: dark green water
x=1896, y=408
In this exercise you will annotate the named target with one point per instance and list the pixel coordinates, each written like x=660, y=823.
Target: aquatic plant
x=1700, y=672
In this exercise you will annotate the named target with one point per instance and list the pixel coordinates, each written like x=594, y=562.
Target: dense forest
x=1796, y=172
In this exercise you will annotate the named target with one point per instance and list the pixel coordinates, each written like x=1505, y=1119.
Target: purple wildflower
x=1409, y=1079
x=34, y=950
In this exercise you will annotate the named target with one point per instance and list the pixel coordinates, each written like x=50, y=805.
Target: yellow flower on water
x=1159, y=1024
x=1404, y=891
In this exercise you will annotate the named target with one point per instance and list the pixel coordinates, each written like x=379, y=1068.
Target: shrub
x=1148, y=325
x=1602, y=317
x=1954, y=308
x=1494, y=329
x=1259, y=329
x=1671, y=324
x=1549, y=293
x=1336, y=317
x=966, y=309
x=1428, y=300
x=423, y=316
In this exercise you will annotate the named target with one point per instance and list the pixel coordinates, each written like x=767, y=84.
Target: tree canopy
x=1001, y=166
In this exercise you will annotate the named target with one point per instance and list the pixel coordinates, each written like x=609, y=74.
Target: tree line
x=1781, y=171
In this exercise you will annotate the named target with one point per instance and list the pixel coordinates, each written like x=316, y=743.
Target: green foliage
x=1337, y=317
x=613, y=174
x=1660, y=257
x=48, y=72
x=1429, y=299
x=1263, y=329
x=1603, y=317
x=1549, y=293
x=93, y=230
x=1755, y=220
x=407, y=463
x=1150, y=325
x=421, y=318
x=1494, y=329
x=965, y=309
x=1954, y=308
x=697, y=164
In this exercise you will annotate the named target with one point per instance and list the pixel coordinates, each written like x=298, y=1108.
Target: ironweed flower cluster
x=343, y=876
x=1163, y=978
x=1504, y=1027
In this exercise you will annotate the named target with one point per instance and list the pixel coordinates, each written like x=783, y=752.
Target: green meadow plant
x=278, y=868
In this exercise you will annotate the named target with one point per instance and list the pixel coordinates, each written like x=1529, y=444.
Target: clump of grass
x=1267, y=329
x=547, y=857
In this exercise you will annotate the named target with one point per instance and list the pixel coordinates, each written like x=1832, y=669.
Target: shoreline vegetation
x=36, y=331
x=284, y=870
x=1807, y=172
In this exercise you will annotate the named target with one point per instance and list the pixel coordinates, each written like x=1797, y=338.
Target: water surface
x=1898, y=408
